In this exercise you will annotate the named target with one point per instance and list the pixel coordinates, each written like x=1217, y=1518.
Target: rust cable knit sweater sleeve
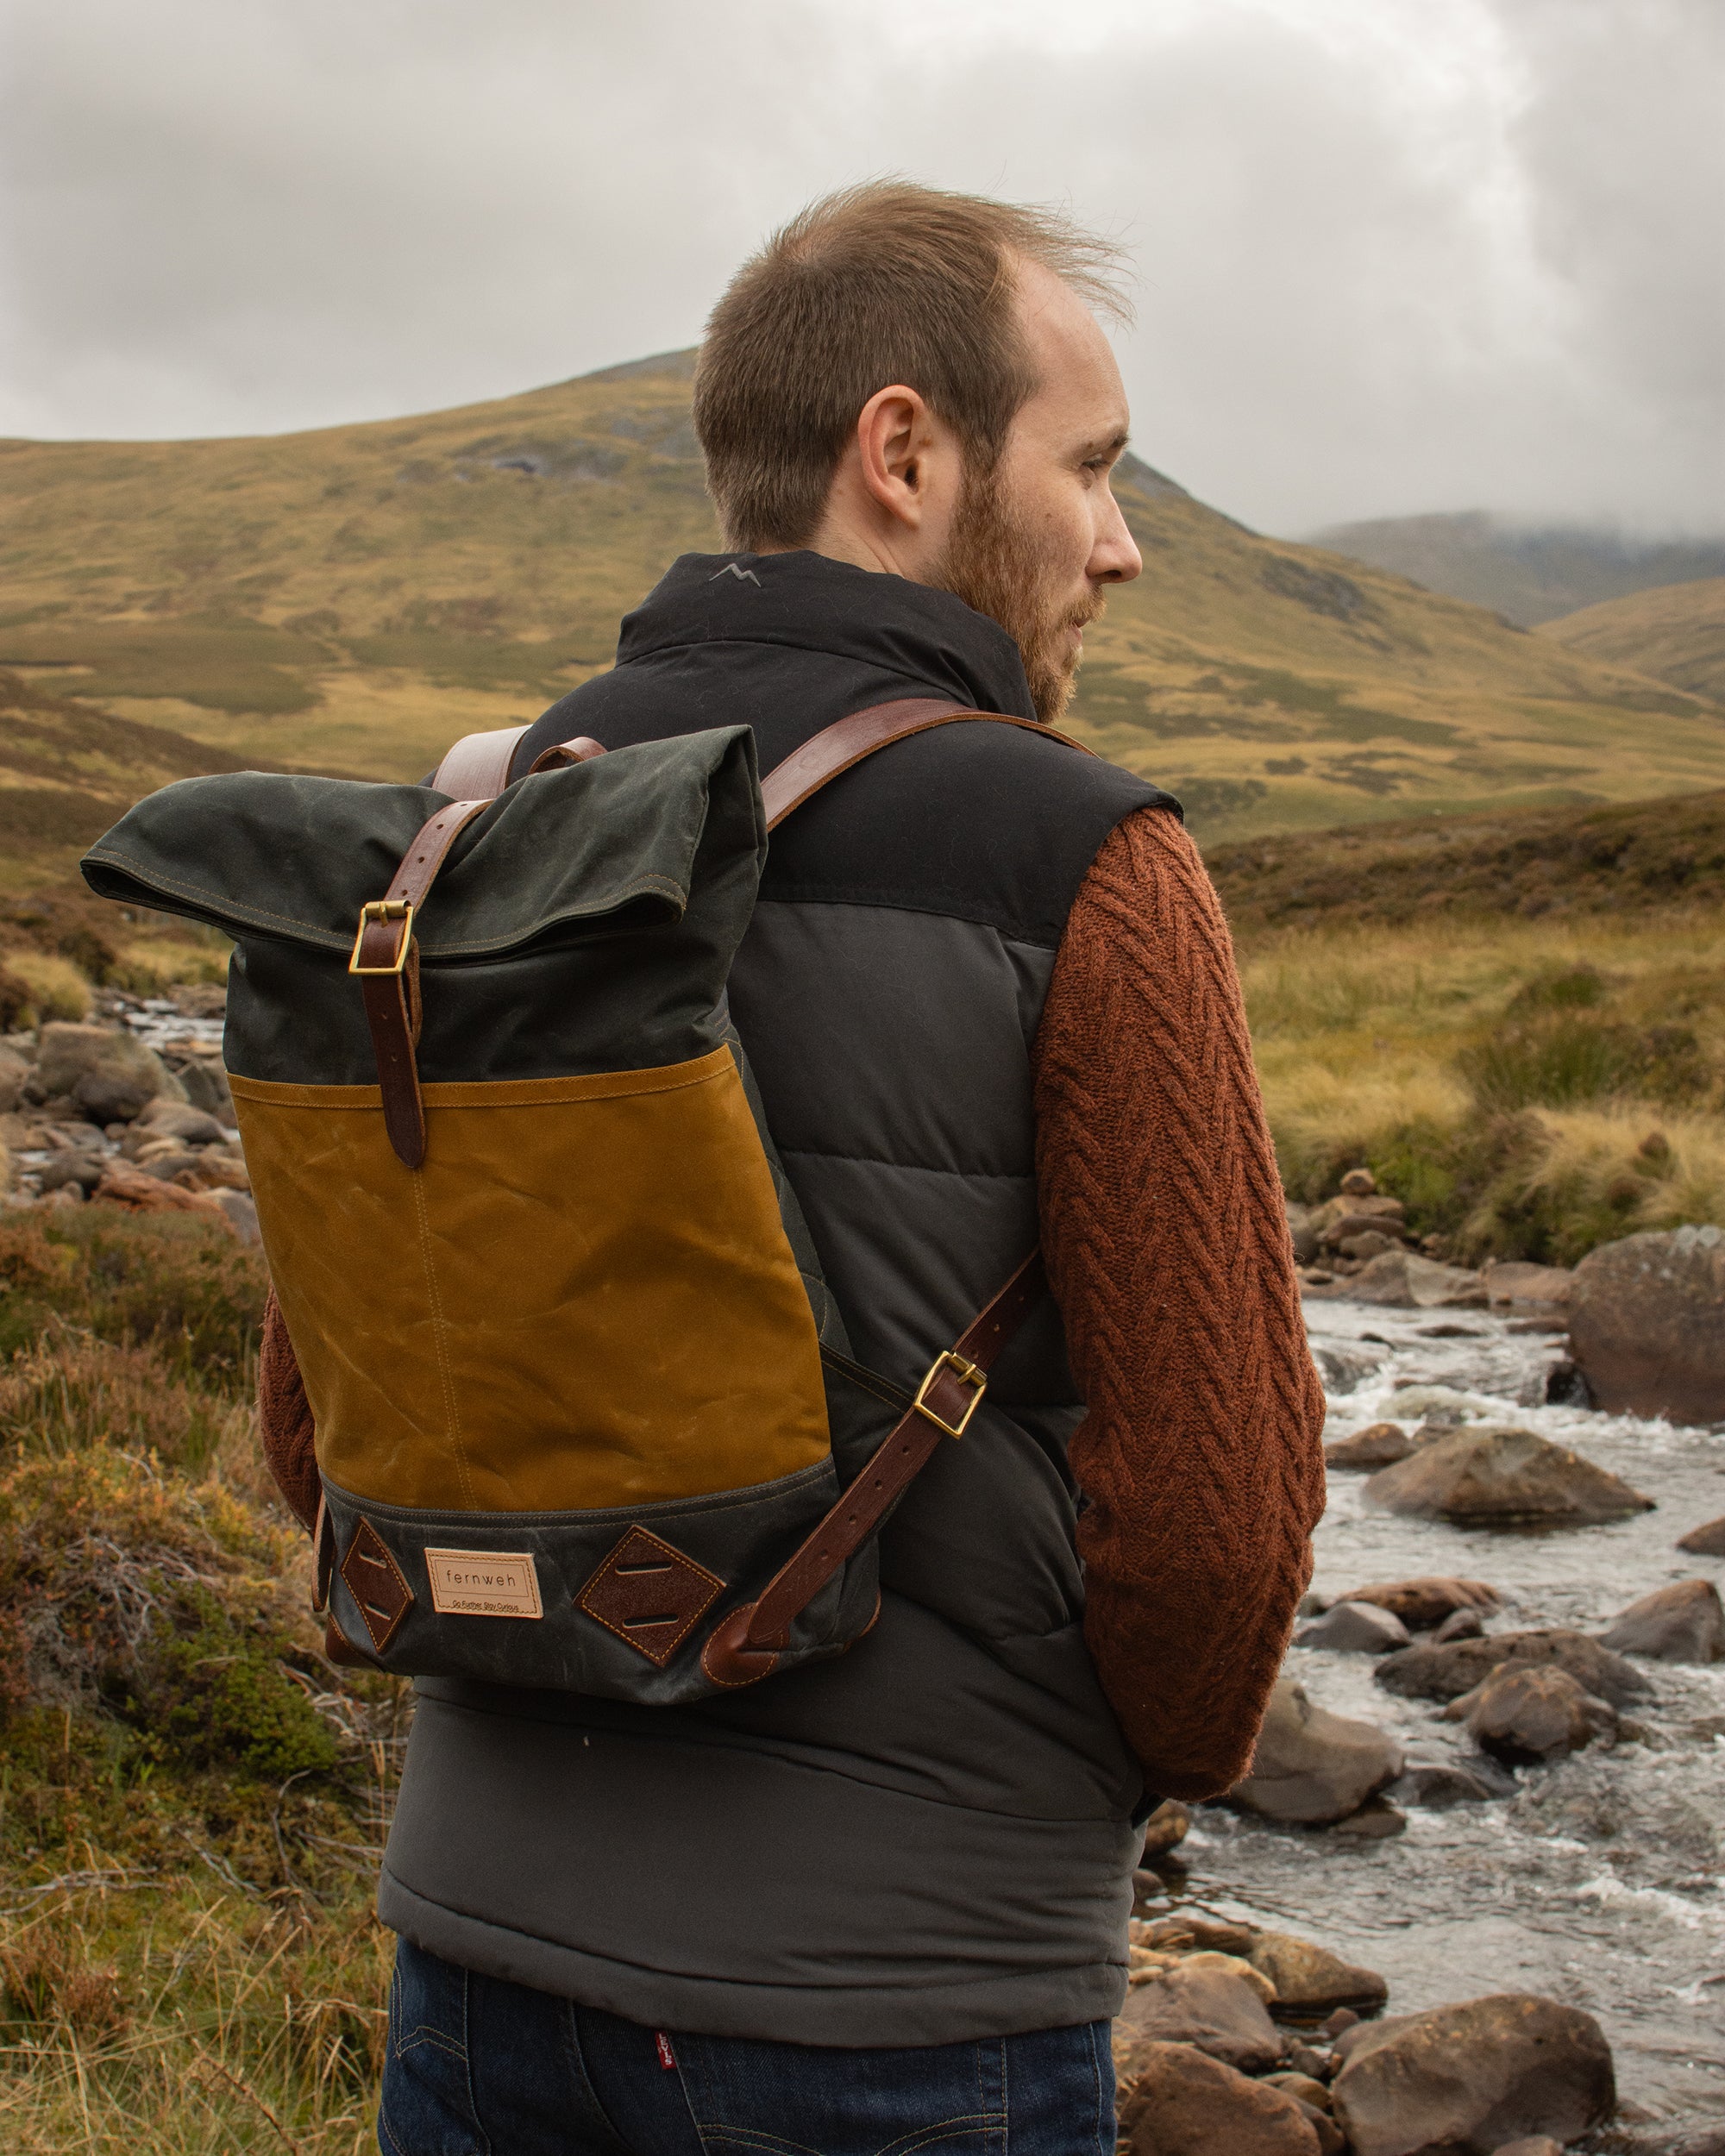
x=285, y=1419
x=1167, y=1245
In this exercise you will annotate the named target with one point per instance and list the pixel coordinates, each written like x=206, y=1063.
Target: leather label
x=483, y=1583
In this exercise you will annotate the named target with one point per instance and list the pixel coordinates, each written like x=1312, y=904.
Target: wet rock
x=1310, y=1981
x=206, y=1086
x=1446, y=1672
x=14, y=1076
x=1531, y=2144
x=1312, y=2092
x=1358, y=1183
x=1431, y=1599
x=1167, y=1826
x=106, y=1073
x=1354, y=1629
x=1513, y=1283
x=1215, y=2008
x=179, y=1118
x=139, y=1191
x=1439, y=1788
x=238, y=1211
x=1523, y=1716
x=1303, y=1234
x=72, y=1166
x=1467, y=2078
x=1184, y=2104
x=1376, y=1821
x=1366, y=1243
x=1312, y=1767
x=1648, y=1324
x=1461, y=1624
x=1344, y=1371
x=1379, y=1444
x=218, y=1168
x=1185, y=1934
x=1705, y=1542
x=1401, y=1280
x=1502, y=1476
x=1683, y=1622
x=1566, y=1385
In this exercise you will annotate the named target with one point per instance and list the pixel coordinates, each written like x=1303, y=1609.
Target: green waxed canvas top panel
x=585, y=922
x=602, y=845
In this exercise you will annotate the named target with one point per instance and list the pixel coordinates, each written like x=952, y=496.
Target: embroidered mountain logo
x=483, y=1583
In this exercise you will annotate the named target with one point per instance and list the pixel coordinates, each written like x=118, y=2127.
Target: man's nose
x=1114, y=558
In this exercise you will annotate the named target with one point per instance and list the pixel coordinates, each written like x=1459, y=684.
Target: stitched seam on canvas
x=439, y=1333
x=329, y=939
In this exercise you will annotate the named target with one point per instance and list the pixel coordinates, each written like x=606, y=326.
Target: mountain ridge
x=353, y=598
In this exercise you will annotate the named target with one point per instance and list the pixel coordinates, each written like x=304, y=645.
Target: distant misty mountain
x=1526, y=573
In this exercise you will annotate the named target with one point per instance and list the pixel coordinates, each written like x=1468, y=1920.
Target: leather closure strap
x=835, y=748
x=385, y=959
x=746, y=1645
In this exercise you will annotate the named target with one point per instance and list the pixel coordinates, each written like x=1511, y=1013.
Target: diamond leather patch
x=649, y=1595
x=376, y=1583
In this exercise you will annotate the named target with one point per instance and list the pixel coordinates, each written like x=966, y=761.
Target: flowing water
x=1601, y=1882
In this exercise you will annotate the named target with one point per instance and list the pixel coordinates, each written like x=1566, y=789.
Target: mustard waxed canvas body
x=578, y=1386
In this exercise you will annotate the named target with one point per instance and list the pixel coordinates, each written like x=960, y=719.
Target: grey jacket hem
x=848, y=2015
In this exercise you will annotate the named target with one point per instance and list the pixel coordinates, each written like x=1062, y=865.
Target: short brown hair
x=887, y=282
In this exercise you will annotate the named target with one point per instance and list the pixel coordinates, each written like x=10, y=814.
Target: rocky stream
x=1597, y=1879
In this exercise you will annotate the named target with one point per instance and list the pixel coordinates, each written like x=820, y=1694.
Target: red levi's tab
x=668, y=2058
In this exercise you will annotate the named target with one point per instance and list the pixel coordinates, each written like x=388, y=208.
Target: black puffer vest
x=929, y=1840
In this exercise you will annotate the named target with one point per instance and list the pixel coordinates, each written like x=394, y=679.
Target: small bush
x=1561, y=988
x=1567, y=1060
x=213, y=1694
x=146, y=968
x=58, y=989
x=178, y=1283
x=69, y=1392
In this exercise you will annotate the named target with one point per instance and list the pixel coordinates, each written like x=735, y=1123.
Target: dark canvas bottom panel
x=659, y=1575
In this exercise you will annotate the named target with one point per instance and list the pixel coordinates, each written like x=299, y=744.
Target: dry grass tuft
x=57, y=988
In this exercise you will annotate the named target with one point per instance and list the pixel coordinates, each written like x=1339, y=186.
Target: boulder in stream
x=1311, y=1767
x=1648, y=1324
x=1430, y=1672
x=1354, y=1629
x=1167, y=1826
x=1428, y=1601
x=1683, y=1622
x=1401, y=1280
x=1202, y=2001
x=1502, y=1477
x=1706, y=1541
x=1522, y=1715
x=1379, y=1444
x=1180, y=2102
x=106, y=1073
x=1310, y=1981
x=1469, y=2078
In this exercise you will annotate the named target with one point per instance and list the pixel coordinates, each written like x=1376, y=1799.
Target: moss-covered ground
x=192, y=1799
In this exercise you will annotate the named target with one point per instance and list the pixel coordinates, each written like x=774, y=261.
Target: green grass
x=192, y=1799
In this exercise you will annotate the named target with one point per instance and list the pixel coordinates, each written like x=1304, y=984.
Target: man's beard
x=994, y=564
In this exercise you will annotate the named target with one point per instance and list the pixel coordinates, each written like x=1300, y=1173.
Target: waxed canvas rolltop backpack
x=585, y=1413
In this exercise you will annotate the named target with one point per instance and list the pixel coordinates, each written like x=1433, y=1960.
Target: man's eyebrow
x=1105, y=446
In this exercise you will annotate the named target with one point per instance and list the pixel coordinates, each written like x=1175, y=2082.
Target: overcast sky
x=1393, y=255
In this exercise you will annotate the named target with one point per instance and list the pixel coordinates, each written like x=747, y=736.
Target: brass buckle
x=967, y=1373
x=383, y=910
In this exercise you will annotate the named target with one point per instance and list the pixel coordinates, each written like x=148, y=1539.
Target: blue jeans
x=479, y=2067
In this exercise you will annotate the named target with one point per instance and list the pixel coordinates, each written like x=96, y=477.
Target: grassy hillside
x=1525, y=573
x=1676, y=634
x=350, y=599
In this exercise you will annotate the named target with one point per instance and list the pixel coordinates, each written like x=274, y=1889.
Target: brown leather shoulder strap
x=476, y=766
x=848, y=740
x=745, y=1646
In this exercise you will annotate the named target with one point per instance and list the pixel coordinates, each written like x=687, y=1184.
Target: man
x=882, y=1902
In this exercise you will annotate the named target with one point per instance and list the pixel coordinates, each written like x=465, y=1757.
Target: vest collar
x=809, y=602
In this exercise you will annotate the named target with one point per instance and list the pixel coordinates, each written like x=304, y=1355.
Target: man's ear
x=895, y=435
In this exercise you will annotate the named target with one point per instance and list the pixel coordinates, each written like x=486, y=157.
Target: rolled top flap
x=597, y=847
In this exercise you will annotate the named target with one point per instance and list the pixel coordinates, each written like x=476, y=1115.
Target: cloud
x=1392, y=257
